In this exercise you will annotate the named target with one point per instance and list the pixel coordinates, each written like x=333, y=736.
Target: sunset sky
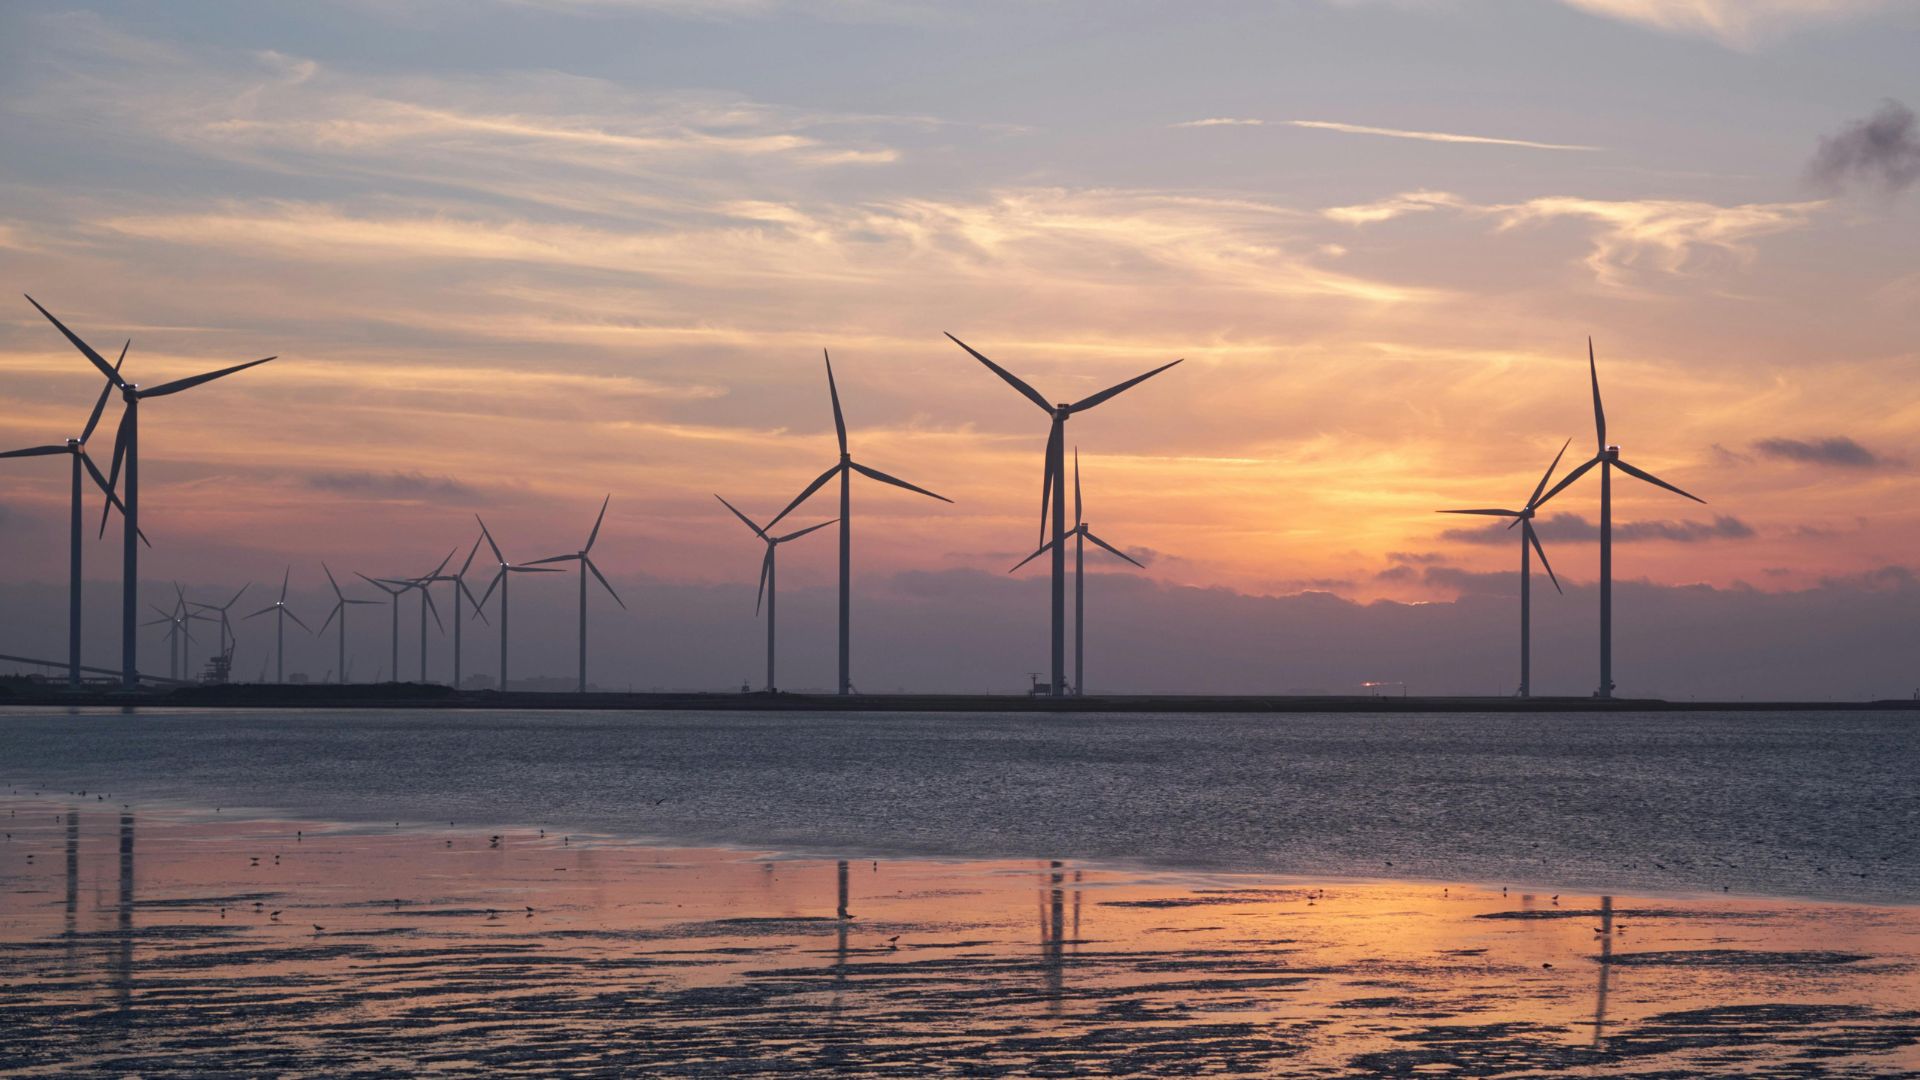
x=515, y=255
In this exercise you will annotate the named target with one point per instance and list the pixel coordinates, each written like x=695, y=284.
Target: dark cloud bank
x=963, y=630
x=1835, y=450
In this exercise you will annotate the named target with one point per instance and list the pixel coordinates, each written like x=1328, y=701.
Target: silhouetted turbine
x=500, y=582
x=423, y=584
x=340, y=604
x=768, y=581
x=76, y=449
x=1608, y=458
x=459, y=580
x=227, y=639
x=126, y=444
x=1052, y=486
x=281, y=613
x=845, y=469
x=393, y=601
x=1529, y=543
x=586, y=564
x=1081, y=534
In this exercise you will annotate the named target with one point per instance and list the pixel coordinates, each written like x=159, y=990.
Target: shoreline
x=136, y=940
x=401, y=696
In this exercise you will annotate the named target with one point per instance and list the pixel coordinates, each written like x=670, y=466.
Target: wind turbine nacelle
x=1611, y=453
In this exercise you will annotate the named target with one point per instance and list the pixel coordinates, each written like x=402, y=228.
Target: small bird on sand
x=318, y=929
x=1549, y=967
x=274, y=916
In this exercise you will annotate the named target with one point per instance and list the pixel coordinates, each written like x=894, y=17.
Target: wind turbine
x=459, y=580
x=1608, y=458
x=586, y=564
x=176, y=627
x=1081, y=534
x=126, y=444
x=340, y=605
x=281, y=613
x=227, y=639
x=1052, y=488
x=1529, y=543
x=426, y=605
x=77, y=450
x=768, y=581
x=845, y=469
x=393, y=601
x=500, y=582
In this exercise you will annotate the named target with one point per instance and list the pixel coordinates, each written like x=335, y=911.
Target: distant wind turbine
x=424, y=585
x=845, y=469
x=586, y=564
x=281, y=613
x=500, y=582
x=1081, y=534
x=227, y=639
x=460, y=590
x=1608, y=458
x=768, y=582
x=76, y=449
x=393, y=601
x=1052, y=487
x=1529, y=543
x=340, y=604
x=176, y=629
x=126, y=444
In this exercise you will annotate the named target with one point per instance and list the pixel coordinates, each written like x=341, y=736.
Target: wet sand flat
x=164, y=942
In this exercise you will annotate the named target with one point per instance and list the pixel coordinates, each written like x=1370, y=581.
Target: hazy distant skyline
x=515, y=255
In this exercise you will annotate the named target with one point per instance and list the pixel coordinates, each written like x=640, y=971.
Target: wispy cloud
x=1738, y=23
x=1432, y=136
x=1668, y=234
x=1220, y=121
x=1412, y=202
x=1836, y=450
x=406, y=486
x=1568, y=528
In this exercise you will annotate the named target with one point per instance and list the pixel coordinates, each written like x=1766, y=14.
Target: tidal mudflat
x=171, y=942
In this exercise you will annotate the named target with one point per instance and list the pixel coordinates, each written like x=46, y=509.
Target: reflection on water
x=634, y=960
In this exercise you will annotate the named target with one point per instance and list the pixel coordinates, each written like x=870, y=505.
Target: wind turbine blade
x=1012, y=380
x=262, y=611
x=498, y=576
x=798, y=499
x=876, y=474
x=376, y=584
x=766, y=567
x=1076, y=488
x=1652, y=479
x=749, y=521
x=338, y=595
x=1488, y=513
x=604, y=583
x=192, y=381
x=477, y=613
x=100, y=403
x=113, y=475
x=242, y=592
x=475, y=550
x=112, y=499
x=455, y=550
x=36, y=451
x=1037, y=552
x=802, y=532
x=1089, y=535
x=833, y=391
x=338, y=607
x=1567, y=479
x=1090, y=402
x=296, y=620
x=98, y=360
x=1046, y=481
x=1548, y=475
x=595, y=534
x=433, y=609
x=284, y=578
x=1599, y=414
x=525, y=569
x=551, y=559
x=1534, y=539
x=488, y=537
